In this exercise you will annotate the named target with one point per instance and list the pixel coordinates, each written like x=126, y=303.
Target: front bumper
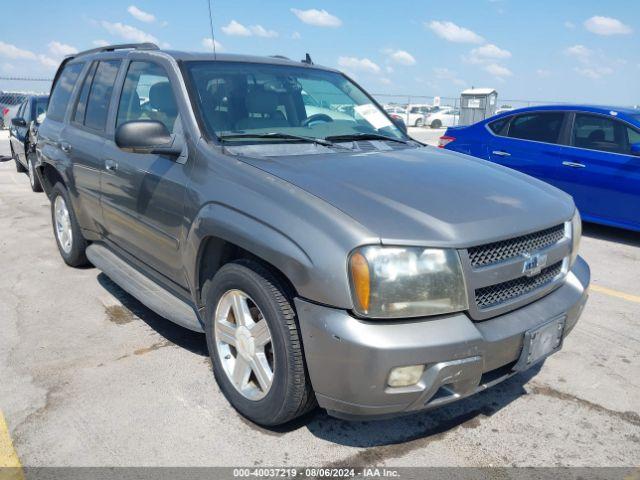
x=349, y=359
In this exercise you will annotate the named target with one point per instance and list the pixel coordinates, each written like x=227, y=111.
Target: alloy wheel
x=244, y=344
x=63, y=224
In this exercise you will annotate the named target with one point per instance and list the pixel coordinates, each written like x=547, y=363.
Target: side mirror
x=18, y=122
x=399, y=123
x=147, y=136
x=635, y=149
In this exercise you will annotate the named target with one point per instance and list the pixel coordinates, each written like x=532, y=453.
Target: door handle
x=574, y=164
x=111, y=165
x=65, y=147
x=501, y=153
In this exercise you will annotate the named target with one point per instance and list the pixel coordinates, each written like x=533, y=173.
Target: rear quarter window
x=62, y=91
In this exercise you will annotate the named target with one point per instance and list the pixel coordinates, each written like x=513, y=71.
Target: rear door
x=529, y=144
x=142, y=194
x=85, y=138
x=18, y=134
x=600, y=172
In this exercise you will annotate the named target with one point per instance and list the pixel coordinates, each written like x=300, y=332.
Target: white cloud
x=443, y=73
x=542, y=73
x=141, y=14
x=208, y=44
x=58, y=49
x=100, y=43
x=260, y=31
x=594, y=72
x=236, y=29
x=490, y=51
x=239, y=30
x=48, y=61
x=388, y=69
x=569, y=25
x=128, y=32
x=453, y=33
x=606, y=26
x=318, y=18
x=580, y=52
x=499, y=71
x=361, y=64
x=296, y=36
x=401, y=57
x=11, y=51
x=384, y=80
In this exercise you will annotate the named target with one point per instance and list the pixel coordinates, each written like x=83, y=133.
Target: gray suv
x=329, y=258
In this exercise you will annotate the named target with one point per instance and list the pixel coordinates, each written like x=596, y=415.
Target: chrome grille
x=493, y=295
x=498, y=251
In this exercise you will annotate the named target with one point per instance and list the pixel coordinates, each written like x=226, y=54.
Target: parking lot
x=90, y=377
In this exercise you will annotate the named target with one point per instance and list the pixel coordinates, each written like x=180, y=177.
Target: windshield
x=251, y=98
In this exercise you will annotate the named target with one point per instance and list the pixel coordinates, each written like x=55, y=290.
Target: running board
x=143, y=288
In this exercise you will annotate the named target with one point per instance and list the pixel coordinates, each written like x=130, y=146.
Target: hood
x=425, y=196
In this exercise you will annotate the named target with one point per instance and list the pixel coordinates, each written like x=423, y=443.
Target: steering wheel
x=318, y=117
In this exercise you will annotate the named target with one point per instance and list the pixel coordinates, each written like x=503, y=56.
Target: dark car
x=327, y=258
x=592, y=153
x=23, y=136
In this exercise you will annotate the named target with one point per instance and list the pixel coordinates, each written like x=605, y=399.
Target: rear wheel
x=419, y=122
x=436, y=124
x=71, y=243
x=34, y=179
x=255, y=344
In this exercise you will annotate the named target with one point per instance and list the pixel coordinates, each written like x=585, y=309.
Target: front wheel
x=255, y=344
x=71, y=243
x=19, y=167
x=436, y=124
x=419, y=122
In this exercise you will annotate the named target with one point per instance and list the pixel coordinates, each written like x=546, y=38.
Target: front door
x=142, y=194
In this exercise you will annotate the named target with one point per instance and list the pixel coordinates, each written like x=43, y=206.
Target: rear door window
x=540, y=126
x=100, y=94
x=499, y=127
x=597, y=132
x=81, y=106
x=62, y=91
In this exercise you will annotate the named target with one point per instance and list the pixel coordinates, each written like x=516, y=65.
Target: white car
x=416, y=115
x=445, y=117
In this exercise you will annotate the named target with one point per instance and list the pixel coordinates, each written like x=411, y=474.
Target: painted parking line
x=615, y=293
x=10, y=466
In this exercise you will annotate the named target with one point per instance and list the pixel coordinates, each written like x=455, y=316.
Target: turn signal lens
x=360, y=277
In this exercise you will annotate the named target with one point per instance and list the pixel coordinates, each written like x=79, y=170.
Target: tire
x=419, y=122
x=436, y=124
x=73, y=251
x=289, y=394
x=34, y=179
x=19, y=167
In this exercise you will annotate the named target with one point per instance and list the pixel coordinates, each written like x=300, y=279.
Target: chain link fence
x=14, y=90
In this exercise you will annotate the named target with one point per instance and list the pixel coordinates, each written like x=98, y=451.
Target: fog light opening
x=405, y=376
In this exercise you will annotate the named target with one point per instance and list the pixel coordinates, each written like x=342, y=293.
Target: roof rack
x=122, y=46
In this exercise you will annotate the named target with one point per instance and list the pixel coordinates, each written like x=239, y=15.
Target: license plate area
x=540, y=342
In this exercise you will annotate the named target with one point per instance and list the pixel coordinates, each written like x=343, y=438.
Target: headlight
x=393, y=282
x=576, y=234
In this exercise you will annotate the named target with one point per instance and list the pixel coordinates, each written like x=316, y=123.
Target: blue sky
x=584, y=51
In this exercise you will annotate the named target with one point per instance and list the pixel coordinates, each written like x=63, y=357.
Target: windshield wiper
x=363, y=136
x=283, y=136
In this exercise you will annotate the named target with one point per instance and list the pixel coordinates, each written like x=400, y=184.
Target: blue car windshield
x=235, y=98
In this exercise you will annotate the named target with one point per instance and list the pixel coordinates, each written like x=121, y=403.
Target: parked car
x=416, y=114
x=444, y=117
x=395, y=109
x=23, y=136
x=592, y=153
x=9, y=104
x=326, y=260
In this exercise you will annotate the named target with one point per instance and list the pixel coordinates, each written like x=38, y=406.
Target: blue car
x=592, y=153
